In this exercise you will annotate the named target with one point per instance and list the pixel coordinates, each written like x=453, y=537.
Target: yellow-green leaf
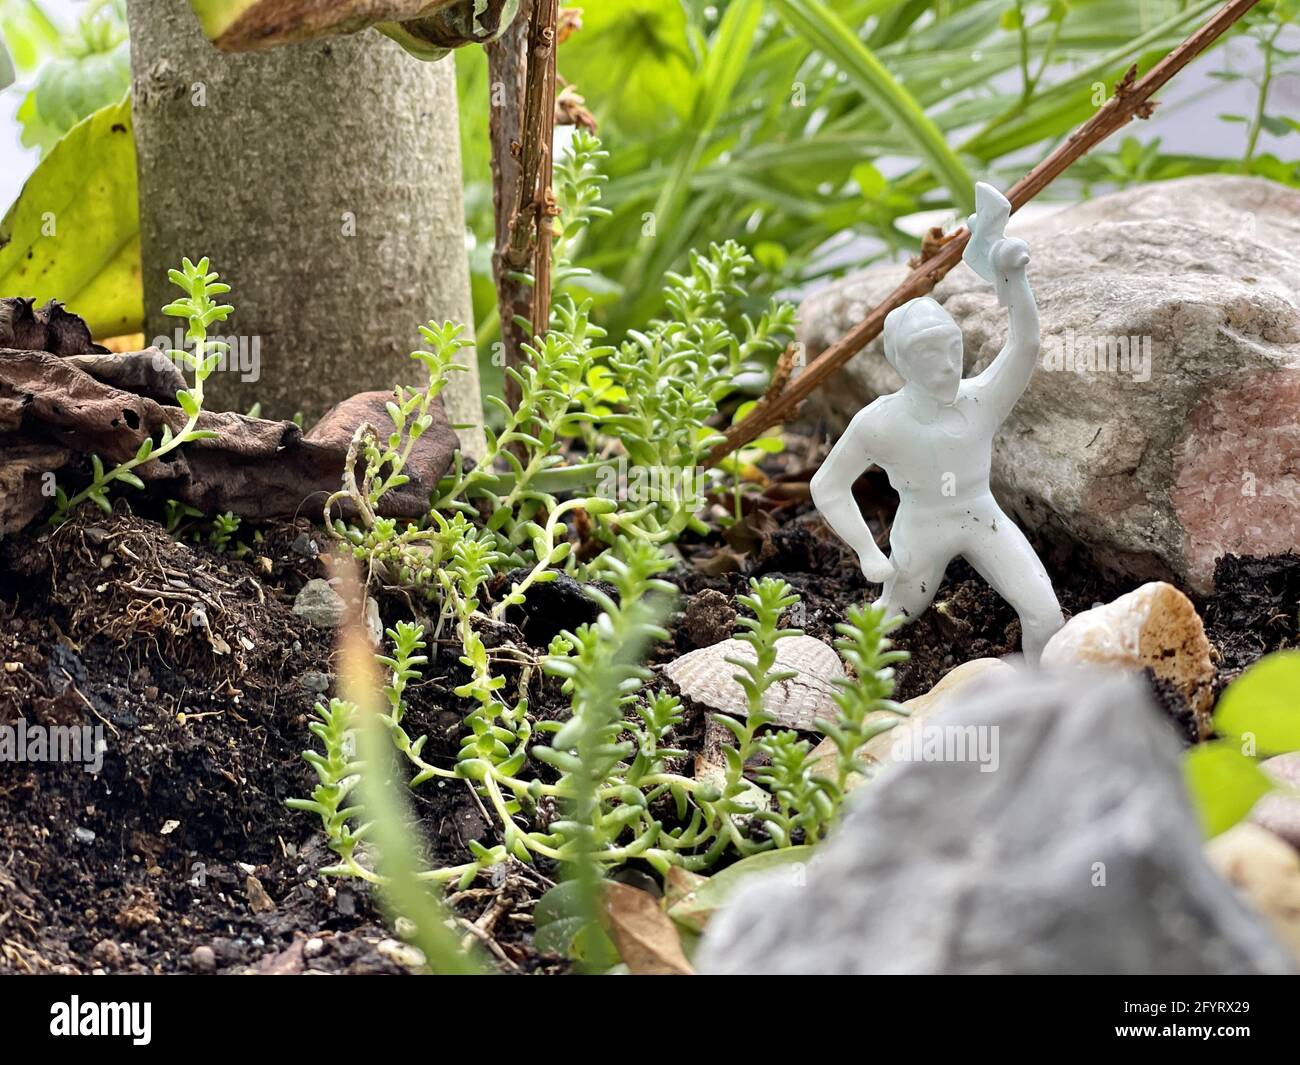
x=1224, y=784
x=1263, y=704
x=73, y=234
x=650, y=84
x=693, y=909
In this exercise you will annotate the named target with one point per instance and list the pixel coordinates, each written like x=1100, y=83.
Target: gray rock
x=316, y=682
x=1157, y=467
x=319, y=605
x=1078, y=853
x=305, y=546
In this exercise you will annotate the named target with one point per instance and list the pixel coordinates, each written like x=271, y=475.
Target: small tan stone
x=1155, y=627
x=407, y=955
x=1266, y=870
x=877, y=751
x=258, y=900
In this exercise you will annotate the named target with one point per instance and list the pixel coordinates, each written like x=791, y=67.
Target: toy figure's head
x=923, y=344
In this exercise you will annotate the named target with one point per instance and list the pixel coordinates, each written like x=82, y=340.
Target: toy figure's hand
x=876, y=568
x=1008, y=255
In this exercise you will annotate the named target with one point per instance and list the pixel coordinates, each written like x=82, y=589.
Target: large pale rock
x=1158, y=466
x=1155, y=627
x=1267, y=872
x=1080, y=853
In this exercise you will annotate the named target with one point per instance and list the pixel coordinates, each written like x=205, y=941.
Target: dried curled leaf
x=426, y=28
x=53, y=407
x=646, y=939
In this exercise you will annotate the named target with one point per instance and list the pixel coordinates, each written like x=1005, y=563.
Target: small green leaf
x=7, y=73
x=70, y=88
x=1263, y=704
x=1277, y=125
x=1224, y=784
x=557, y=936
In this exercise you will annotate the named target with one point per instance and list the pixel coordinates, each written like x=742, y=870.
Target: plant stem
x=1026, y=84
x=1261, y=100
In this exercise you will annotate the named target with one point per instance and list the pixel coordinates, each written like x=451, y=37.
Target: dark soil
x=179, y=854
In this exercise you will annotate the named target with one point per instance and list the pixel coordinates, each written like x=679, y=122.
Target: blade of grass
x=722, y=70
x=386, y=809
x=822, y=28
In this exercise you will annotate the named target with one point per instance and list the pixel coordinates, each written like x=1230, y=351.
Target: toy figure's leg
x=1003, y=557
x=910, y=591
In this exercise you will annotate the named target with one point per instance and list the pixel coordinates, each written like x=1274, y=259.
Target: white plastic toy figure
x=934, y=438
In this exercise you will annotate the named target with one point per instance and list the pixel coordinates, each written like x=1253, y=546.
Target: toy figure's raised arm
x=1007, y=376
x=832, y=491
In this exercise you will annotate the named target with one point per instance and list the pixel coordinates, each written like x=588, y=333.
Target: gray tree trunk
x=323, y=181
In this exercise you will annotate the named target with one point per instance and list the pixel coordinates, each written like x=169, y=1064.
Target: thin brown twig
x=1131, y=99
x=538, y=126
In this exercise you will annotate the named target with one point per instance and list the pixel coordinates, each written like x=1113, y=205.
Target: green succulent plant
x=200, y=309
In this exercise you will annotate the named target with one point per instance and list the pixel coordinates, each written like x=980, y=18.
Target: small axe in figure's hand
x=989, y=252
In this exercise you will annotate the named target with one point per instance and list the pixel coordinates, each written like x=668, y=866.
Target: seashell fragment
x=706, y=677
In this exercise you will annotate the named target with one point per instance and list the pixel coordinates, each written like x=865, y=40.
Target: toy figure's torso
x=953, y=464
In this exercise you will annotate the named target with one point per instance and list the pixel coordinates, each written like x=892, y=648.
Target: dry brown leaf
x=53, y=406
x=568, y=23
x=646, y=939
